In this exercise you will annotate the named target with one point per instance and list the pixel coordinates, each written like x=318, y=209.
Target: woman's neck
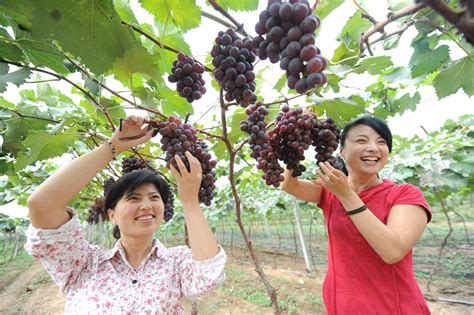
x=136, y=250
x=359, y=183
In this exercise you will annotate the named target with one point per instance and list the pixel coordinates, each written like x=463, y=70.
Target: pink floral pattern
x=95, y=280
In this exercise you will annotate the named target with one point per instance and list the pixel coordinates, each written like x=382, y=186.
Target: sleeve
x=408, y=194
x=63, y=251
x=199, y=277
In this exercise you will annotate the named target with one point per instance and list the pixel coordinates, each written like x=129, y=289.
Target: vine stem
x=135, y=105
x=240, y=27
x=60, y=76
x=232, y=154
x=393, y=16
x=157, y=42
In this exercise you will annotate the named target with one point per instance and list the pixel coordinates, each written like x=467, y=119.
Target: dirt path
x=33, y=292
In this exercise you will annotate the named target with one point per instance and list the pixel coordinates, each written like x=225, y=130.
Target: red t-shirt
x=358, y=280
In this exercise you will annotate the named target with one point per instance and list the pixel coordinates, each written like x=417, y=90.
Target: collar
x=157, y=249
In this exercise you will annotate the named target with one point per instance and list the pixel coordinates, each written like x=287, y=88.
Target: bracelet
x=355, y=211
x=112, y=149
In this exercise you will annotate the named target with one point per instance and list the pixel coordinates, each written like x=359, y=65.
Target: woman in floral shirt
x=139, y=275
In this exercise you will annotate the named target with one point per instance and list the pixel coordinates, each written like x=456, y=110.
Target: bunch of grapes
x=187, y=73
x=261, y=144
x=132, y=163
x=179, y=137
x=255, y=126
x=325, y=138
x=96, y=211
x=169, y=206
x=108, y=184
x=294, y=129
x=290, y=39
x=232, y=58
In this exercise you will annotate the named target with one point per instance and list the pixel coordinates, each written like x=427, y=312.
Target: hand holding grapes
x=332, y=179
x=188, y=182
x=135, y=128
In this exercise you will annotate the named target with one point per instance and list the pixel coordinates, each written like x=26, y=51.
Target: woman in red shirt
x=373, y=225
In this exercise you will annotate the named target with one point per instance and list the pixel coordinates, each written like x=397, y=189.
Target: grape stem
x=379, y=26
x=240, y=27
x=61, y=77
x=232, y=154
x=157, y=42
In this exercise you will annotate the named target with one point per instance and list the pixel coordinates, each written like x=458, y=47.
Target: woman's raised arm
x=47, y=205
x=302, y=189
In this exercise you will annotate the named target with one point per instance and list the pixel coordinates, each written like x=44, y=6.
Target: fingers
x=194, y=164
x=136, y=120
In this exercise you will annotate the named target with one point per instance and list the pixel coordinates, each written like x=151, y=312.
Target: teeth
x=370, y=159
x=145, y=217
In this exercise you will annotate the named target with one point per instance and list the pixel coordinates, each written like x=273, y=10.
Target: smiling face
x=365, y=151
x=138, y=213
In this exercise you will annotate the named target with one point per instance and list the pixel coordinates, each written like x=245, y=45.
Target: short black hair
x=129, y=183
x=378, y=125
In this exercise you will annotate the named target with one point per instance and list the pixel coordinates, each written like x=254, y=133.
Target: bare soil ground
x=299, y=292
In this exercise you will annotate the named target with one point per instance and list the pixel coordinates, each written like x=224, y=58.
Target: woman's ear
x=111, y=214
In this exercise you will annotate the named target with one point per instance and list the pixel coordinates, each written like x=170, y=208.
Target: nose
x=145, y=204
x=371, y=145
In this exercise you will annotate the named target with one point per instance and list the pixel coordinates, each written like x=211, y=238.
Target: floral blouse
x=98, y=281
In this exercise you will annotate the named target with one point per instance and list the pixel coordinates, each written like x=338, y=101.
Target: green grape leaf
x=341, y=109
x=42, y=145
x=19, y=10
x=124, y=11
x=92, y=30
x=172, y=103
x=41, y=53
x=235, y=133
x=17, y=77
x=373, y=65
x=355, y=26
x=136, y=60
x=344, y=55
x=325, y=7
x=425, y=60
x=185, y=14
x=459, y=75
x=8, y=50
x=238, y=5
x=280, y=83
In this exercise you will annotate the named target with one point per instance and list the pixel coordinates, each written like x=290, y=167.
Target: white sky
x=431, y=112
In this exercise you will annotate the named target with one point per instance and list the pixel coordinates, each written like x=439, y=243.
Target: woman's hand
x=332, y=179
x=135, y=127
x=188, y=182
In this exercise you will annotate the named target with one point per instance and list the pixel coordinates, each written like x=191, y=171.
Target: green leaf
x=391, y=42
x=8, y=50
x=185, y=14
x=342, y=110
x=92, y=30
x=325, y=7
x=459, y=75
x=398, y=106
x=124, y=11
x=136, y=60
x=43, y=145
x=41, y=53
x=19, y=10
x=344, y=55
x=172, y=103
x=114, y=109
x=17, y=130
x=395, y=5
x=280, y=83
x=424, y=60
x=355, y=26
x=17, y=77
x=235, y=132
x=238, y=5
x=373, y=65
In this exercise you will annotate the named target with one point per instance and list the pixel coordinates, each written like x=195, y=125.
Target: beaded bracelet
x=355, y=211
x=112, y=149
